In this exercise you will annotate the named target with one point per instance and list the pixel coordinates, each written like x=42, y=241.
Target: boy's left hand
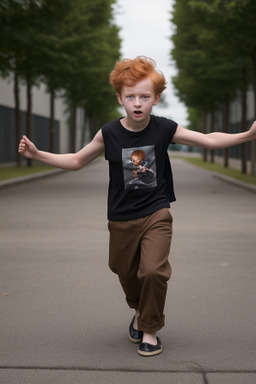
x=252, y=131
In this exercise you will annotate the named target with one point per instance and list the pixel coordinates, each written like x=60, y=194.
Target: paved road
x=63, y=315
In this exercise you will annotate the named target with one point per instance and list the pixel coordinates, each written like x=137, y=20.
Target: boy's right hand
x=27, y=148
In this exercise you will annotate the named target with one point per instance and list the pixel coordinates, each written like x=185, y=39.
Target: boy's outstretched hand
x=27, y=148
x=252, y=131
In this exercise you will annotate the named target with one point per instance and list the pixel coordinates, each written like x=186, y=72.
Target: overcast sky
x=145, y=31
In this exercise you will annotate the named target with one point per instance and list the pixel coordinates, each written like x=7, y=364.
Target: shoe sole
x=134, y=341
x=148, y=354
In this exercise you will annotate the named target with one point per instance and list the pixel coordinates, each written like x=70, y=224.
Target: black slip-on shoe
x=146, y=349
x=134, y=335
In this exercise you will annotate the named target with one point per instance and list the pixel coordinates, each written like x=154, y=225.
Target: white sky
x=145, y=31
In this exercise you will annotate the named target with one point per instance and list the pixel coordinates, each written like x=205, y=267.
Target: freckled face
x=138, y=100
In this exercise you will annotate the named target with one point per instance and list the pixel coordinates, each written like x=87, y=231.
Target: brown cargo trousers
x=138, y=254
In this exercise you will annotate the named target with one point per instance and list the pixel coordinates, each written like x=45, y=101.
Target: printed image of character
x=142, y=176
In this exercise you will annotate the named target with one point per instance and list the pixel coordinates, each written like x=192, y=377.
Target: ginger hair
x=129, y=72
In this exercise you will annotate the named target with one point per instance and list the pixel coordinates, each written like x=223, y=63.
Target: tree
x=199, y=58
x=70, y=46
x=94, y=46
x=213, y=61
x=19, y=50
x=239, y=34
x=55, y=63
x=10, y=13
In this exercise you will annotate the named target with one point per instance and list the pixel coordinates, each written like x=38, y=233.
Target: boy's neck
x=133, y=126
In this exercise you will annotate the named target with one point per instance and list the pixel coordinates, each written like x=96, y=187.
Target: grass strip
x=11, y=172
x=215, y=167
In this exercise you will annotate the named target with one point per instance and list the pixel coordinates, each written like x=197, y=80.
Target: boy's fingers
x=23, y=144
x=26, y=140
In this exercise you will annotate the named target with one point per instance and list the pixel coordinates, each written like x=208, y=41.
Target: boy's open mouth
x=137, y=112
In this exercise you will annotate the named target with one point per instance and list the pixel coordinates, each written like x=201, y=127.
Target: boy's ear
x=157, y=98
x=119, y=98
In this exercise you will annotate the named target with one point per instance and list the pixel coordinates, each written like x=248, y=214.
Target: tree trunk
x=73, y=129
x=253, y=143
x=83, y=136
x=94, y=124
x=226, y=130
x=17, y=117
x=253, y=157
x=29, y=113
x=212, y=130
x=52, y=126
x=244, y=122
x=203, y=128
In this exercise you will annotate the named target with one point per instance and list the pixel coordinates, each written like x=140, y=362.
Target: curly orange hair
x=129, y=72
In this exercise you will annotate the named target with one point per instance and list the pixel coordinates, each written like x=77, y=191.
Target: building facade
x=40, y=121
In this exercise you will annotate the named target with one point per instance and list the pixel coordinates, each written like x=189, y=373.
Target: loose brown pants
x=138, y=254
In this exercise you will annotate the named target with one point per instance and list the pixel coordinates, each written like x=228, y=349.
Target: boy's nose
x=137, y=101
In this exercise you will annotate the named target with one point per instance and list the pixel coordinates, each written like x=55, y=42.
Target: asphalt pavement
x=63, y=315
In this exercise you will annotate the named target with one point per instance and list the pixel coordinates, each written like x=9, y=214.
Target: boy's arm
x=213, y=140
x=70, y=161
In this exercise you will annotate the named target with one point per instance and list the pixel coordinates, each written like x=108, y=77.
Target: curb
x=29, y=178
x=237, y=183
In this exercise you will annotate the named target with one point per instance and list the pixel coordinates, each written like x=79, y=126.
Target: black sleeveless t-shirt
x=140, y=175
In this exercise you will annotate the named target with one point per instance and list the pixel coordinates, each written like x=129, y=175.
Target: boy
x=140, y=223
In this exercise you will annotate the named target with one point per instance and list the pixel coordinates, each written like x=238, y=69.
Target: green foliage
x=70, y=45
x=219, y=7
x=93, y=54
x=194, y=118
x=214, y=46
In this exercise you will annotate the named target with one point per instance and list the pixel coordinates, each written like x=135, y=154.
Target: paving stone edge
x=14, y=182
x=237, y=183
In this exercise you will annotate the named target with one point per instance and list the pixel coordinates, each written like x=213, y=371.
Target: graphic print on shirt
x=139, y=167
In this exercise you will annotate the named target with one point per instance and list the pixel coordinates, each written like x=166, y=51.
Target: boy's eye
x=145, y=97
x=130, y=97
